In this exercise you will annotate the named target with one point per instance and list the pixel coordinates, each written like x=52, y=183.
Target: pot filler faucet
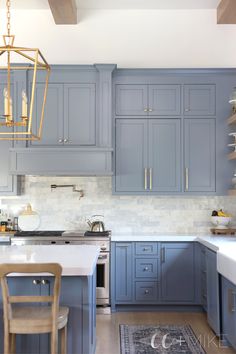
x=73, y=186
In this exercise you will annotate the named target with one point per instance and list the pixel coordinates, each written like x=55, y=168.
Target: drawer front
x=146, y=291
x=146, y=268
x=146, y=248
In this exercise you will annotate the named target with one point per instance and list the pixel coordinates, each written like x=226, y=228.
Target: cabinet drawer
x=145, y=248
x=146, y=268
x=146, y=291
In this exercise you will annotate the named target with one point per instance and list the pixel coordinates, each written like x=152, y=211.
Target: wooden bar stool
x=37, y=319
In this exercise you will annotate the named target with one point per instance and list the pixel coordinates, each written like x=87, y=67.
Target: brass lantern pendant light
x=17, y=123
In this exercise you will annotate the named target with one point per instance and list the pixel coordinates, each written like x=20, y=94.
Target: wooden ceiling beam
x=226, y=12
x=64, y=11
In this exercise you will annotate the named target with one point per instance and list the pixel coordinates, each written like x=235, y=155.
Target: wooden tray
x=228, y=231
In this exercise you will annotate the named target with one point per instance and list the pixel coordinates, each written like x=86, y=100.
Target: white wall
x=130, y=38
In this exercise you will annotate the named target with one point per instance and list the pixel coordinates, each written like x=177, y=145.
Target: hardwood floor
x=108, y=329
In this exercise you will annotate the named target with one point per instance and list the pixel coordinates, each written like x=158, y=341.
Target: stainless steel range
x=101, y=239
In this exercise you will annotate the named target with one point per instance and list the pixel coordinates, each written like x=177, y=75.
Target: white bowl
x=221, y=222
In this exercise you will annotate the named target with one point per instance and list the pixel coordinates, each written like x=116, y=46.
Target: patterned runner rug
x=160, y=339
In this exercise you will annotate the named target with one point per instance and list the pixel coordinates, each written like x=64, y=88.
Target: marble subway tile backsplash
x=61, y=209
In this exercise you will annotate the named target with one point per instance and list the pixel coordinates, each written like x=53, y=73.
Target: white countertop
x=213, y=242
x=224, y=246
x=75, y=260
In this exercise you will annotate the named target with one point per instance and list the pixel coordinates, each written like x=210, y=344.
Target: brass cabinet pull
x=163, y=255
x=36, y=282
x=45, y=281
x=231, y=300
x=186, y=179
x=145, y=178
x=150, y=178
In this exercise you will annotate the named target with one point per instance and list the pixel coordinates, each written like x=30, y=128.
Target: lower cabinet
x=203, y=275
x=229, y=311
x=123, y=272
x=213, y=296
x=177, y=273
x=154, y=273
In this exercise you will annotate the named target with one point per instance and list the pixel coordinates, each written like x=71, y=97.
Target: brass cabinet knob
x=146, y=269
x=146, y=291
x=66, y=140
x=150, y=110
x=36, y=282
x=45, y=281
x=60, y=141
x=145, y=109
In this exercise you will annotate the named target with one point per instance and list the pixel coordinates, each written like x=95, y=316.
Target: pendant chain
x=8, y=5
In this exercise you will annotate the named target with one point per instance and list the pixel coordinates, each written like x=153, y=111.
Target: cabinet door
x=164, y=100
x=26, y=344
x=8, y=183
x=177, y=273
x=199, y=100
x=213, y=307
x=79, y=114
x=123, y=272
x=52, y=131
x=131, y=155
x=228, y=311
x=131, y=100
x=164, y=155
x=199, y=152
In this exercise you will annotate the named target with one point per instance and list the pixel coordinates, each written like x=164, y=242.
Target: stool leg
x=13, y=343
x=64, y=340
x=6, y=342
x=54, y=342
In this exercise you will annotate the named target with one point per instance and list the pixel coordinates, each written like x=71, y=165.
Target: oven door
x=103, y=286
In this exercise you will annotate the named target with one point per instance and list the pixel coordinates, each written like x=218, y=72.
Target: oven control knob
x=103, y=248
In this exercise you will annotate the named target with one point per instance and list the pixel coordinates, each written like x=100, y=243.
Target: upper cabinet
x=199, y=100
x=170, y=134
x=147, y=100
x=148, y=154
x=77, y=128
x=200, y=155
x=70, y=115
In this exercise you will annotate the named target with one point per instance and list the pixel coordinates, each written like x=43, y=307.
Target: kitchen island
x=78, y=292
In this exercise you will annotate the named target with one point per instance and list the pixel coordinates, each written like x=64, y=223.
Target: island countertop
x=78, y=260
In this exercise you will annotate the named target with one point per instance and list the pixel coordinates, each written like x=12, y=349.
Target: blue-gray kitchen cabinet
x=203, y=274
x=70, y=114
x=131, y=160
x=164, y=100
x=228, y=311
x=200, y=100
x=200, y=155
x=131, y=100
x=79, y=114
x=147, y=100
x=164, y=148
x=147, y=155
x=213, y=294
x=177, y=273
x=123, y=267
x=52, y=130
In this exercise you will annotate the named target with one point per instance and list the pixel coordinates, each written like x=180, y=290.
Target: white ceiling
x=121, y=4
